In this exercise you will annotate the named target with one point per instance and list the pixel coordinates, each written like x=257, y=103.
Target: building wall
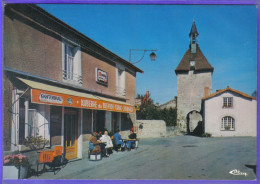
x=30, y=47
x=170, y=104
x=130, y=87
x=243, y=111
x=190, y=92
x=7, y=115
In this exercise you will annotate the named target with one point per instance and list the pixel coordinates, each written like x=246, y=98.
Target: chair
x=51, y=158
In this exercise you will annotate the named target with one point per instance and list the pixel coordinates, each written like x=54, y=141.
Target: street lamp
x=152, y=55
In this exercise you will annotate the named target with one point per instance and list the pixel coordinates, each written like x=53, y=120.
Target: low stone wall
x=150, y=128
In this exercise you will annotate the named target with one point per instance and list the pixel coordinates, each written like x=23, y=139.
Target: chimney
x=206, y=90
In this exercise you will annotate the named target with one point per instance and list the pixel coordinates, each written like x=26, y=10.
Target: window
x=227, y=102
x=120, y=86
x=28, y=119
x=228, y=123
x=71, y=63
x=32, y=123
x=192, y=65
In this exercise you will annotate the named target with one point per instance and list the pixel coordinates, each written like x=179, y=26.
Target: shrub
x=35, y=142
x=206, y=135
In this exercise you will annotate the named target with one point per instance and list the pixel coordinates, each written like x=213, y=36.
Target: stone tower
x=194, y=75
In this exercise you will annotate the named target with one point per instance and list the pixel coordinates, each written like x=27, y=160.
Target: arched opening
x=194, y=123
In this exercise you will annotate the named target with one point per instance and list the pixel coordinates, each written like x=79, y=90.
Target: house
x=60, y=84
x=194, y=75
x=169, y=104
x=229, y=112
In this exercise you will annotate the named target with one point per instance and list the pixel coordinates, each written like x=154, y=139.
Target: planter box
x=95, y=157
x=11, y=172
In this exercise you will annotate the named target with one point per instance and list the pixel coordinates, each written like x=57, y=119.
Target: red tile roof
x=201, y=63
x=228, y=89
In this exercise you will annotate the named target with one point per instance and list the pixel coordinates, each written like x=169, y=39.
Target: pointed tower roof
x=193, y=29
x=202, y=63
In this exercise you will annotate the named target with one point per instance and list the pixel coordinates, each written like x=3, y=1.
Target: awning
x=47, y=94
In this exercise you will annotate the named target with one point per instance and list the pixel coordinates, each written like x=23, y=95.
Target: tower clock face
x=192, y=63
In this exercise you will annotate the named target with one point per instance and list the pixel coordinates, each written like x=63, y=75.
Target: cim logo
x=51, y=98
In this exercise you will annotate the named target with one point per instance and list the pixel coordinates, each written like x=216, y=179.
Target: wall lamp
x=152, y=55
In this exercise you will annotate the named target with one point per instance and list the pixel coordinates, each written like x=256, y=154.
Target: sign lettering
x=52, y=98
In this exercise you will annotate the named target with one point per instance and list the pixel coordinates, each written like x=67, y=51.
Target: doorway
x=70, y=133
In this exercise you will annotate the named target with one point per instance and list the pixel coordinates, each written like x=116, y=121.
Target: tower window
x=192, y=65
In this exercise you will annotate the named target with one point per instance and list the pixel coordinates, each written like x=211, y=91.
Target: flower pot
x=10, y=172
x=23, y=172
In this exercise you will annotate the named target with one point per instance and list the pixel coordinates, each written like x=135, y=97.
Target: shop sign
x=53, y=98
x=50, y=98
x=101, y=77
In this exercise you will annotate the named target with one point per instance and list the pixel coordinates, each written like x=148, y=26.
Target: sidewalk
x=83, y=165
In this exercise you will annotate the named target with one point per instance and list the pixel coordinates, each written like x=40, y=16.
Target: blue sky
x=227, y=37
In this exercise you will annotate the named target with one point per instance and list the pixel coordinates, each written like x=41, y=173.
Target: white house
x=229, y=112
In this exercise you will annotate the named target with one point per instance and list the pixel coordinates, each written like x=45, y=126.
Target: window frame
x=227, y=123
x=71, y=72
x=228, y=102
x=120, y=83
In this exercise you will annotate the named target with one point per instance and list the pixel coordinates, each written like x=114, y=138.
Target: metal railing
x=120, y=92
x=70, y=76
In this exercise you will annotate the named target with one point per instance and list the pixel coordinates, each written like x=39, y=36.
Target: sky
x=227, y=38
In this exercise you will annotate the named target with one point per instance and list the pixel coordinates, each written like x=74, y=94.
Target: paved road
x=180, y=157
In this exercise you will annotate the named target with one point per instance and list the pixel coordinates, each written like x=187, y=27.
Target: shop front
x=71, y=115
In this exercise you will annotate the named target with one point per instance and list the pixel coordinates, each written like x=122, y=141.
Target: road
x=180, y=157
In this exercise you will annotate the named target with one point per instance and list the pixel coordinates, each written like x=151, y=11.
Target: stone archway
x=194, y=122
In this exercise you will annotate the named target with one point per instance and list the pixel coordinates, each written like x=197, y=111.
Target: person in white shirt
x=105, y=138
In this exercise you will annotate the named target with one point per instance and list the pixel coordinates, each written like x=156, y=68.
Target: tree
x=149, y=111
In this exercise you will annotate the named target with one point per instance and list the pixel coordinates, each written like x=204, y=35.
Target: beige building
x=60, y=84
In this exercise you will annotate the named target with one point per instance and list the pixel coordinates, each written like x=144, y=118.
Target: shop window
x=227, y=102
x=228, y=123
x=32, y=123
x=71, y=63
x=87, y=121
x=126, y=122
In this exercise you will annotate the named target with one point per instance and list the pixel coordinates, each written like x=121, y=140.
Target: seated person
x=105, y=138
x=132, y=139
x=96, y=144
x=118, y=139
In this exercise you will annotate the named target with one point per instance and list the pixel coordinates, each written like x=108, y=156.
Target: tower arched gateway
x=194, y=80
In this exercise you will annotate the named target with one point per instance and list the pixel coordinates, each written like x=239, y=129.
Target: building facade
x=60, y=84
x=229, y=112
x=170, y=104
x=194, y=78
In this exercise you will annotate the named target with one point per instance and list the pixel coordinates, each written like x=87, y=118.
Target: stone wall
x=150, y=128
x=190, y=92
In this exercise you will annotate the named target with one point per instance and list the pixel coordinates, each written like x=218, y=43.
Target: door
x=70, y=133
